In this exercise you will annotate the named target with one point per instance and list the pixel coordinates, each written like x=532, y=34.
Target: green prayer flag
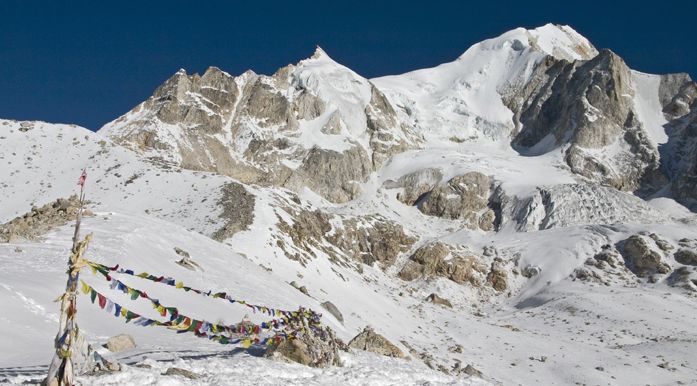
x=130, y=315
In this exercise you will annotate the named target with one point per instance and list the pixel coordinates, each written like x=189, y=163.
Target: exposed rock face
x=366, y=239
x=385, y=141
x=315, y=124
x=678, y=95
x=662, y=243
x=415, y=184
x=333, y=175
x=640, y=258
x=120, y=343
x=238, y=210
x=464, y=197
x=686, y=256
x=440, y=259
x=587, y=105
x=369, y=340
x=498, y=277
x=381, y=241
x=606, y=267
x=38, y=221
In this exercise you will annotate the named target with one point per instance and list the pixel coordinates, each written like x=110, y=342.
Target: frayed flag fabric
x=82, y=179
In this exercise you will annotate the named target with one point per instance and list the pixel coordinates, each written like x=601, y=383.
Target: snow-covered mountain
x=538, y=184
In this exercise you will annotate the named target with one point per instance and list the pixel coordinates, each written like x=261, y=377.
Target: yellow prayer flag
x=85, y=287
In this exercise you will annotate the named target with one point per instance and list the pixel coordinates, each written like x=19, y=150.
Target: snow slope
x=549, y=328
x=570, y=324
x=462, y=99
x=497, y=337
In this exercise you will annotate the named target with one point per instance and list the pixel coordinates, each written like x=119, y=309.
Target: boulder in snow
x=369, y=340
x=497, y=277
x=435, y=299
x=686, y=256
x=640, y=258
x=464, y=197
x=329, y=306
x=685, y=277
x=320, y=349
x=120, y=343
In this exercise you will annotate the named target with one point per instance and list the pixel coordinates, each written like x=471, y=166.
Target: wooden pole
x=60, y=372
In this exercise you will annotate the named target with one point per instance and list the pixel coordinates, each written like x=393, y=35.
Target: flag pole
x=60, y=371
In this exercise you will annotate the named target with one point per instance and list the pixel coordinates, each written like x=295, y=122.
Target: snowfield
x=565, y=315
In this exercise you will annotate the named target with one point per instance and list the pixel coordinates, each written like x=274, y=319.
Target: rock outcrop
x=318, y=349
x=586, y=106
x=605, y=267
x=333, y=175
x=464, y=197
x=314, y=124
x=679, y=155
x=369, y=340
x=440, y=259
x=686, y=256
x=40, y=220
x=498, y=275
x=363, y=239
x=684, y=277
x=415, y=185
x=237, y=210
x=641, y=258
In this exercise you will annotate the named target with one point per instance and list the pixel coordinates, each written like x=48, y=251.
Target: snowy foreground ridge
x=524, y=214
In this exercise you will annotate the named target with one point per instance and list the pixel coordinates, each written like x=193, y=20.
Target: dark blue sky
x=87, y=63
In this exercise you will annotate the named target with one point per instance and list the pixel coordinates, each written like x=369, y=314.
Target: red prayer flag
x=83, y=177
x=102, y=300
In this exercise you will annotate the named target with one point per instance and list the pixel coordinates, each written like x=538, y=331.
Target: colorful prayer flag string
x=312, y=316
x=246, y=335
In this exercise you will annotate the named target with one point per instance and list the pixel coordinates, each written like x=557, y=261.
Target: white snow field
x=549, y=329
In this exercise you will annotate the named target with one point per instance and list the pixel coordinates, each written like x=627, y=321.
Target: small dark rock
x=182, y=373
x=686, y=256
x=435, y=299
x=471, y=371
x=329, y=306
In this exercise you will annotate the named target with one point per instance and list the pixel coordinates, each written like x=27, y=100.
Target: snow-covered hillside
x=528, y=184
x=462, y=99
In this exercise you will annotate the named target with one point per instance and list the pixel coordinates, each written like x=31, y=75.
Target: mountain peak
x=319, y=54
x=560, y=41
